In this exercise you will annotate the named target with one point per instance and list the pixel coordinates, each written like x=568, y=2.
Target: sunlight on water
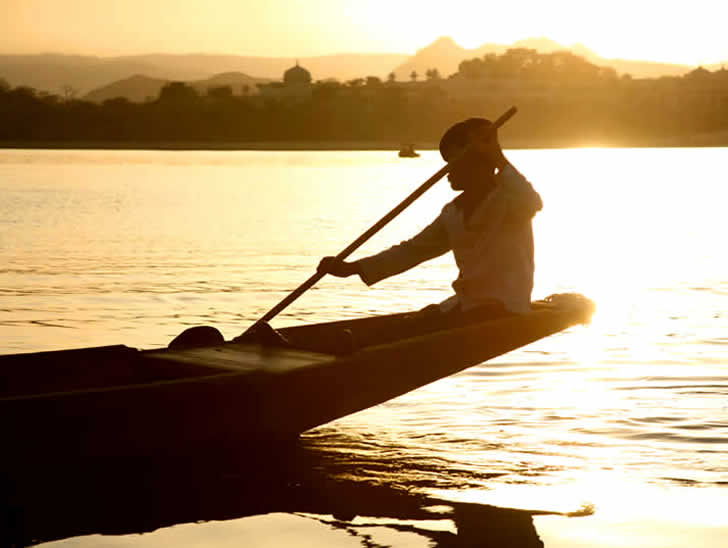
x=627, y=414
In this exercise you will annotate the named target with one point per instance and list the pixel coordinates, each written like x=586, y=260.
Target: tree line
x=562, y=98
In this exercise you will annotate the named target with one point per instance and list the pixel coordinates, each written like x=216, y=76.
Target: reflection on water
x=132, y=247
x=325, y=491
x=294, y=487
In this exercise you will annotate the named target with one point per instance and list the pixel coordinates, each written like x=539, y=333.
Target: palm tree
x=433, y=74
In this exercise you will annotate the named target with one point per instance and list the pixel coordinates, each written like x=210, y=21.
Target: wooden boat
x=408, y=151
x=118, y=400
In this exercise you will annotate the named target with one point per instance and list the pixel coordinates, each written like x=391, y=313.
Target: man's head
x=477, y=167
x=459, y=135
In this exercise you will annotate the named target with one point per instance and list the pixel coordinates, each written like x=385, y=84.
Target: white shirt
x=494, y=251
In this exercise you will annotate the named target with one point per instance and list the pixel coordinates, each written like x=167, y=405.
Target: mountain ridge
x=445, y=55
x=140, y=87
x=52, y=72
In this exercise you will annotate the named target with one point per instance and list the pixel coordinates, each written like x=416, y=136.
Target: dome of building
x=297, y=75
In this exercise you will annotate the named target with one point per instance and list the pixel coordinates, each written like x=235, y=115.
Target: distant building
x=296, y=85
x=296, y=75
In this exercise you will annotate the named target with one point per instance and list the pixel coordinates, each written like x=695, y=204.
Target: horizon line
x=363, y=53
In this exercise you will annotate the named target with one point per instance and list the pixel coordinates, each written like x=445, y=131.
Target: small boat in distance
x=408, y=151
x=117, y=400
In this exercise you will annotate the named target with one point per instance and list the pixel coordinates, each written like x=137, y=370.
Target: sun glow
x=288, y=28
x=620, y=30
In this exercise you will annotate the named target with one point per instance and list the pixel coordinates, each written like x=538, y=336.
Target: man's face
x=470, y=171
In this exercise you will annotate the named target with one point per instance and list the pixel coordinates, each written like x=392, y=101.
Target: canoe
x=408, y=151
x=117, y=400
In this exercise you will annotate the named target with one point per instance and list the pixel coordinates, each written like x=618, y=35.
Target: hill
x=50, y=72
x=137, y=88
x=445, y=55
x=140, y=88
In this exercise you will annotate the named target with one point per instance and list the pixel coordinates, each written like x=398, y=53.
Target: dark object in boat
x=262, y=333
x=408, y=151
x=201, y=335
x=117, y=400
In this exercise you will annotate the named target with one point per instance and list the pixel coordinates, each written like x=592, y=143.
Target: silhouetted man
x=487, y=227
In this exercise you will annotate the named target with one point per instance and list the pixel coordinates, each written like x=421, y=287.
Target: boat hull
x=129, y=402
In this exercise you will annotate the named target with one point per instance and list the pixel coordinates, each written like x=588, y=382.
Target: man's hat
x=458, y=136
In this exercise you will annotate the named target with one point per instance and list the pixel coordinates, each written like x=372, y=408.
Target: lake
x=623, y=423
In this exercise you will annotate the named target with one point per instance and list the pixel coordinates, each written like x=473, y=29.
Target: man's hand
x=485, y=141
x=337, y=267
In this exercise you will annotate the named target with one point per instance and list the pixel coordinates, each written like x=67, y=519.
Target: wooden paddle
x=376, y=227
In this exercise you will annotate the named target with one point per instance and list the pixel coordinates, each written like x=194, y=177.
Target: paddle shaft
x=376, y=227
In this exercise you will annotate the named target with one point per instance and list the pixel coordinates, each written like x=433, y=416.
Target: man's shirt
x=493, y=249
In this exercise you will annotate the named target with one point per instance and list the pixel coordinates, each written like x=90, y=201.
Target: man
x=487, y=227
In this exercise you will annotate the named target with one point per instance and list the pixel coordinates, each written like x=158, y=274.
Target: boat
x=408, y=151
x=118, y=400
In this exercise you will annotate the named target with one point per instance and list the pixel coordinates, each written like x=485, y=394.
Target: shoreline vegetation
x=704, y=140
x=563, y=100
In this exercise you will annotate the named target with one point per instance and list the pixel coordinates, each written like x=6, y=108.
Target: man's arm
x=431, y=242
x=524, y=201
x=512, y=203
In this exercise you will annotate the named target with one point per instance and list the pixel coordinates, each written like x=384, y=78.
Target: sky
x=680, y=32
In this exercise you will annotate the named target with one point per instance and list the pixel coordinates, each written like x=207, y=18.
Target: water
x=627, y=417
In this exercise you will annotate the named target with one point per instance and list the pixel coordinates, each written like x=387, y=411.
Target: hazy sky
x=691, y=32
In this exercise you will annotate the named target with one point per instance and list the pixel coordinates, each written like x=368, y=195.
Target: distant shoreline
x=209, y=145
x=716, y=139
